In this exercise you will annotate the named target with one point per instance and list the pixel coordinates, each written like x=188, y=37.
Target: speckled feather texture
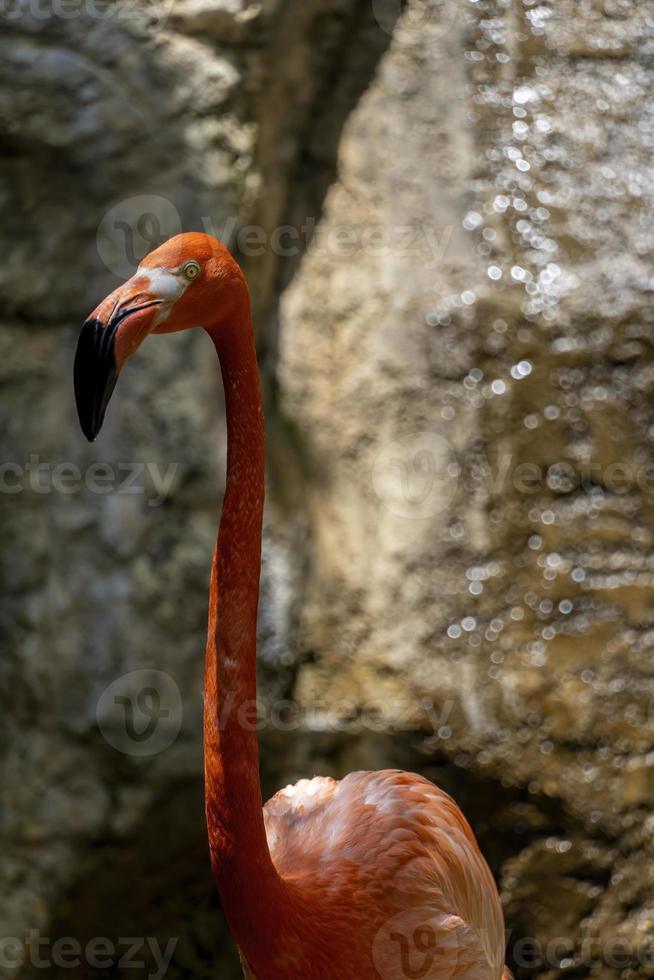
x=387, y=882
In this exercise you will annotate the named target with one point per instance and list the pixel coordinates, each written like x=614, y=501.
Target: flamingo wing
x=391, y=861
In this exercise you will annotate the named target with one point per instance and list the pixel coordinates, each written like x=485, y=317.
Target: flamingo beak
x=112, y=333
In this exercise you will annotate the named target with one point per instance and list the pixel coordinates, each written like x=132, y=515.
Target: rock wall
x=470, y=364
x=444, y=211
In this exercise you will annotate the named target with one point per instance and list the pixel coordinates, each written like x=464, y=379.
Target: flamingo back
x=386, y=879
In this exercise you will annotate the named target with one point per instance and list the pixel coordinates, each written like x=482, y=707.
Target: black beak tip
x=95, y=375
x=90, y=435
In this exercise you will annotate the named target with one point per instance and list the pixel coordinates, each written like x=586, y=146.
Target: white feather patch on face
x=165, y=284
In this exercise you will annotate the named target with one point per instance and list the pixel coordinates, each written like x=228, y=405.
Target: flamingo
x=377, y=875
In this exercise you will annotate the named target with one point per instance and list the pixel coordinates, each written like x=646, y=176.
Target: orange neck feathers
x=243, y=871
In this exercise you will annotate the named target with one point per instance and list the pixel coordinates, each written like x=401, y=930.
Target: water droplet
x=525, y=94
x=472, y=220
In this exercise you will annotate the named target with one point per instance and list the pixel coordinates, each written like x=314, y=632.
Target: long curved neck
x=243, y=871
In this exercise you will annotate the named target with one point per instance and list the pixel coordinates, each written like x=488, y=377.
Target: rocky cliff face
x=444, y=212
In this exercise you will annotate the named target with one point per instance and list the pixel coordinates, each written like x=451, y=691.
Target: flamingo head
x=189, y=281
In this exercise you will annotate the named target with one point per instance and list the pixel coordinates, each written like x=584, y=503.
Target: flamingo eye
x=191, y=270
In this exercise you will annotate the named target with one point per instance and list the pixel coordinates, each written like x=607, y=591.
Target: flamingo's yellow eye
x=191, y=270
